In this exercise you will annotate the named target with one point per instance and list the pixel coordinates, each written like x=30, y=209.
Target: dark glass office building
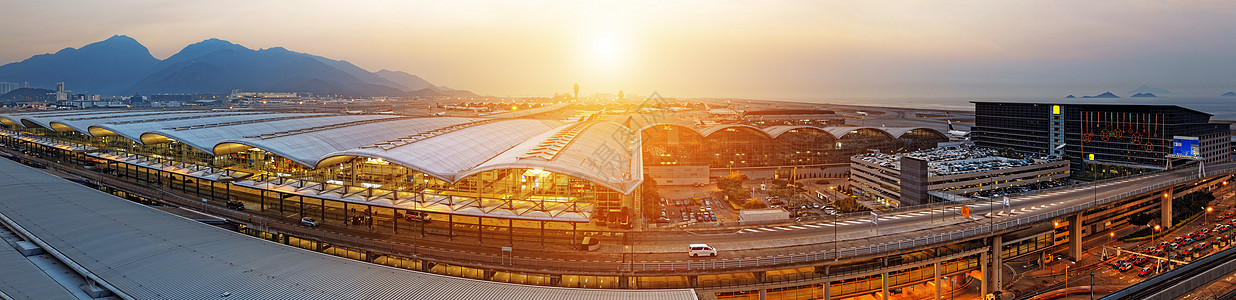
x=1101, y=140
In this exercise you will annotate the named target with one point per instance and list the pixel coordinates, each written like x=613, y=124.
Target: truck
x=753, y=215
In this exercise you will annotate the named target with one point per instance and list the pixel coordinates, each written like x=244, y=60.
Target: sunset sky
x=753, y=49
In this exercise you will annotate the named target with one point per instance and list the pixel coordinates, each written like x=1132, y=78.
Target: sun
x=605, y=53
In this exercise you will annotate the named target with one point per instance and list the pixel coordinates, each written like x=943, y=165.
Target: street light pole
x=1091, y=285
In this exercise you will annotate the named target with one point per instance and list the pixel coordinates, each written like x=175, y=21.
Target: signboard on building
x=1186, y=146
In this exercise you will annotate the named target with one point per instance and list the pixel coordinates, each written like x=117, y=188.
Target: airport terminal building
x=1104, y=140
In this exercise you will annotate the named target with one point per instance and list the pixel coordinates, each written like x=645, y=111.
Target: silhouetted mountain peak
x=1228, y=94
x=199, y=49
x=1146, y=89
x=1103, y=95
x=122, y=65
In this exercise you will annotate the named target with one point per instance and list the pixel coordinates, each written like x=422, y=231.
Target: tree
x=1142, y=218
x=850, y=205
x=651, y=197
x=753, y=204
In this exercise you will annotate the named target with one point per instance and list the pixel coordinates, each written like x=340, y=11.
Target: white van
x=702, y=250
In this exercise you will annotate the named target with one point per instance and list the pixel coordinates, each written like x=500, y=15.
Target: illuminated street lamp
x=1207, y=216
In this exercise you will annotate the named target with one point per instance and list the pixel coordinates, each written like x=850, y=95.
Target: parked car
x=1124, y=266
x=1146, y=271
x=1140, y=260
x=235, y=205
x=418, y=216
x=307, y=221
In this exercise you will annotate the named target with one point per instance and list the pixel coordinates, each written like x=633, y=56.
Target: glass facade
x=1100, y=141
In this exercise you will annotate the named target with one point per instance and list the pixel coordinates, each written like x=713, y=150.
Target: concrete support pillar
x=1165, y=208
x=762, y=276
x=985, y=271
x=939, y=285
x=763, y=294
x=1075, y=236
x=624, y=282
x=693, y=280
x=828, y=290
x=884, y=285
x=997, y=262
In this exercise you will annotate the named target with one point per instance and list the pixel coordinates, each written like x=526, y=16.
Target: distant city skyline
x=765, y=50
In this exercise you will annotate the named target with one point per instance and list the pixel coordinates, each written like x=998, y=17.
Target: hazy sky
x=761, y=49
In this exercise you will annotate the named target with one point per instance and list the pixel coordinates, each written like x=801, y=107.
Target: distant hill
x=409, y=82
x=1228, y=94
x=1069, y=97
x=431, y=92
x=28, y=94
x=1144, y=95
x=122, y=66
x=1150, y=90
x=1103, y=95
x=98, y=67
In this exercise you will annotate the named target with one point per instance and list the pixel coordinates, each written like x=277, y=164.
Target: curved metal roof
x=777, y=131
x=602, y=152
x=900, y=131
x=82, y=123
x=135, y=129
x=309, y=148
x=840, y=132
x=45, y=120
x=207, y=139
x=142, y=253
x=448, y=155
x=707, y=131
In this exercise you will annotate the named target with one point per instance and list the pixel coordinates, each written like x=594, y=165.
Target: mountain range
x=121, y=65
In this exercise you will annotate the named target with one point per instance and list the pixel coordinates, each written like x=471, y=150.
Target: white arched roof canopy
x=900, y=131
x=447, y=155
x=604, y=153
x=684, y=127
x=841, y=132
x=707, y=131
x=777, y=131
x=208, y=138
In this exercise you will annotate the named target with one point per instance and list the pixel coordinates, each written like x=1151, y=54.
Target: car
x=1187, y=253
x=1179, y=240
x=1124, y=266
x=1201, y=245
x=307, y=221
x=1160, y=253
x=1140, y=260
x=235, y=205
x=698, y=250
x=417, y=216
x=1146, y=271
